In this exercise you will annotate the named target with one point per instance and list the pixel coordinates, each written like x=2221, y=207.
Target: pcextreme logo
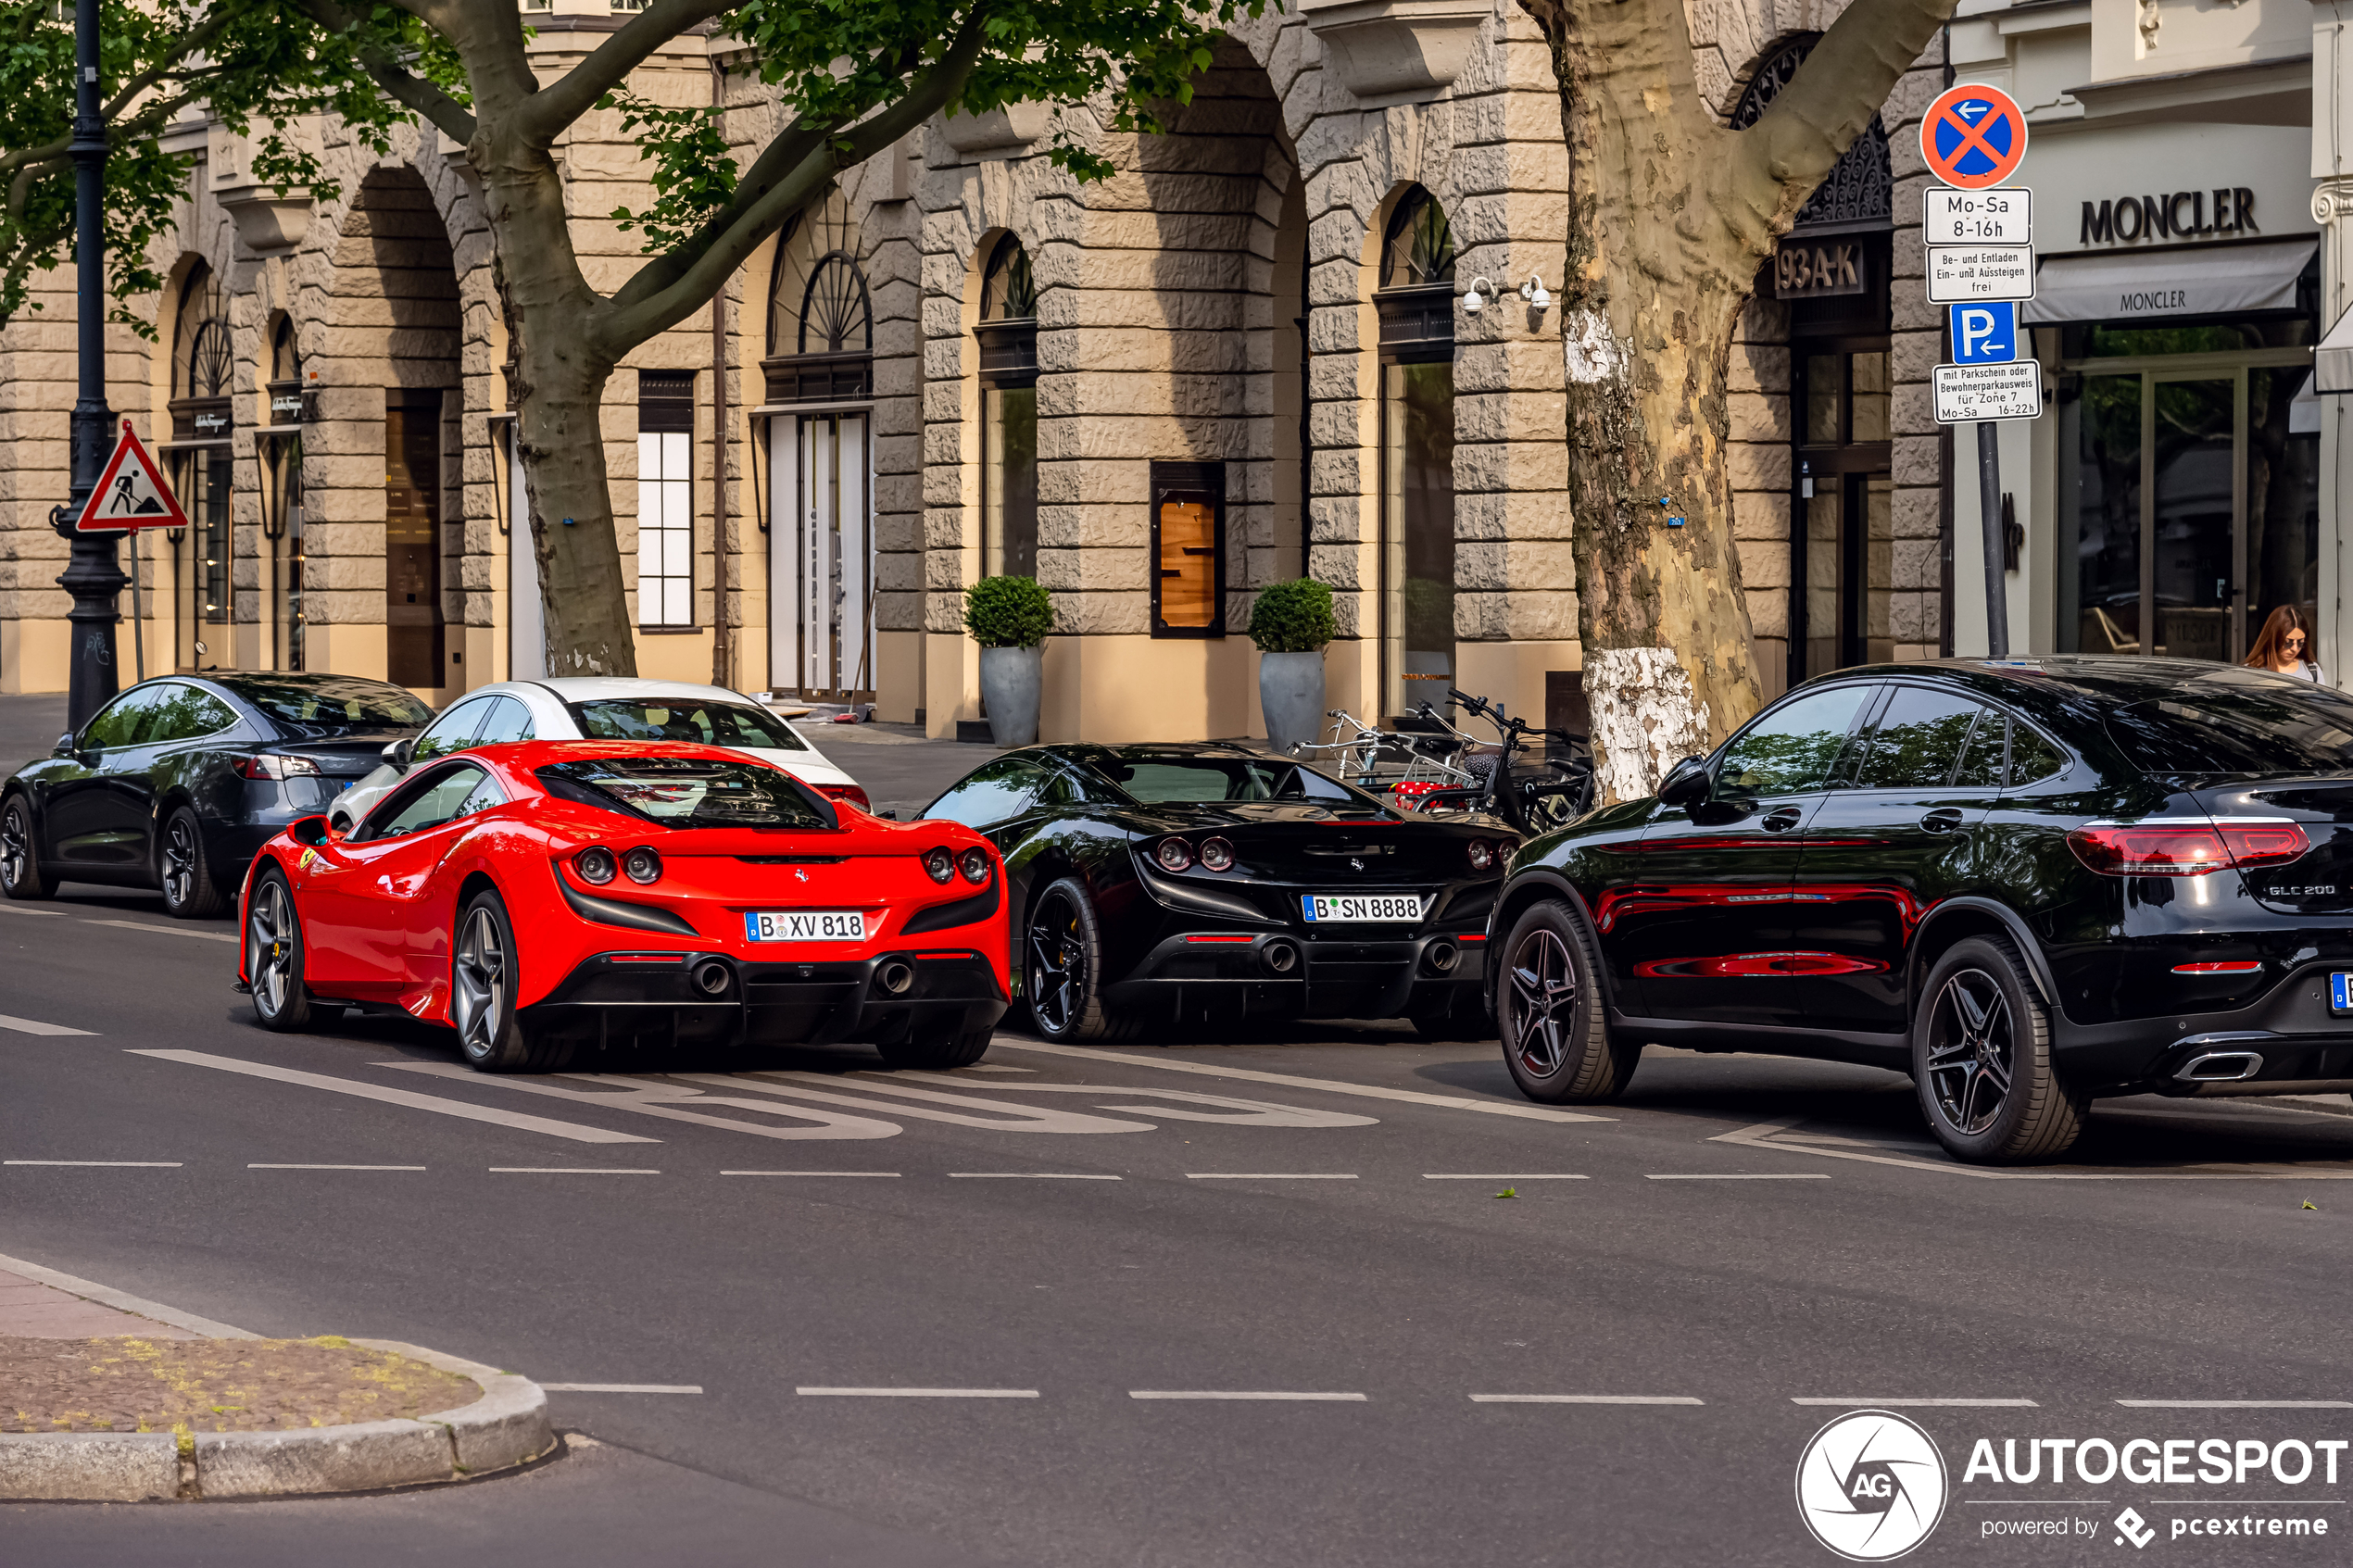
x=1870, y=1486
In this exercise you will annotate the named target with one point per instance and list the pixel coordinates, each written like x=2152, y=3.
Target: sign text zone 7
x=1966, y=394
x=1953, y=216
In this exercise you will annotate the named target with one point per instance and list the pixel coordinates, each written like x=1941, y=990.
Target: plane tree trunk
x=1671, y=216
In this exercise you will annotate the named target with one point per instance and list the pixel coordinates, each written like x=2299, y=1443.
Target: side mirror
x=63, y=746
x=889, y=816
x=309, y=830
x=1686, y=782
x=398, y=753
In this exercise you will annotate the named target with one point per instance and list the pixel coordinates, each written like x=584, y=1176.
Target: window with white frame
x=665, y=499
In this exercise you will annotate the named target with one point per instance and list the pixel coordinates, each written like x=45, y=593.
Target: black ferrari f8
x=2026, y=883
x=1211, y=883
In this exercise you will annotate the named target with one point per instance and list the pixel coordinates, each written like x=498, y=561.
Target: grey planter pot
x=1010, y=682
x=1290, y=693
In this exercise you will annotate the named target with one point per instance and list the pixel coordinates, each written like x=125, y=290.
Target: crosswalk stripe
x=32, y=1026
x=576, y=1132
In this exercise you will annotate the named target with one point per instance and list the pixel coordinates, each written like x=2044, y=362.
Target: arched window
x=277, y=450
x=820, y=322
x=200, y=358
x=1008, y=333
x=1415, y=303
x=203, y=374
x=1861, y=186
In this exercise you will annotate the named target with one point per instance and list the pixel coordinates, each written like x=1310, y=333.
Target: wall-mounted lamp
x=1482, y=291
x=1533, y=292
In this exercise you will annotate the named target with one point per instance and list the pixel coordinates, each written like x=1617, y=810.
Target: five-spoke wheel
x=21, y=875
x=492, y=1035
x=1549, y=1010
x=185, y=872
x=274, y=954
x=1063, y=967
x=1981, y=1058
x=1970, y=1040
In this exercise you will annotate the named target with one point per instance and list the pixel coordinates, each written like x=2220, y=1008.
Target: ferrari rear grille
x=792, y=859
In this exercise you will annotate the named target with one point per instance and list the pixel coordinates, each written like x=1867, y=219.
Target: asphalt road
x=1020, y=1256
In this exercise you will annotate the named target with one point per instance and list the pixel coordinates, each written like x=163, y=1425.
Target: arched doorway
x=821, y=386
x=203, y=604
x=1415, y=306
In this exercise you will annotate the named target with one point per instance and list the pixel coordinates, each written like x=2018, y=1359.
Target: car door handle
x=1945, y=818
x=1783, y=820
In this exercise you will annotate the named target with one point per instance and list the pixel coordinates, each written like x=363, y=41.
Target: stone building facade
x=1308, y=329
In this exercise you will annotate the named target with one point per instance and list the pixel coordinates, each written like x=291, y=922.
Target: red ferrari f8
x=543, y=897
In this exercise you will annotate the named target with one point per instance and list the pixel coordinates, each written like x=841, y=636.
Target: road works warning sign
x=131, y=492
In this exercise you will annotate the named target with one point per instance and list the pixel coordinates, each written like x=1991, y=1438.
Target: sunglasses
x=2294, y=641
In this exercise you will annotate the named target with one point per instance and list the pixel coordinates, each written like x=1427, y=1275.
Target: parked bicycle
x=1534, y=799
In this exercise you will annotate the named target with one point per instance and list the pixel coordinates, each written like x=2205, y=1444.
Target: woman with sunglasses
x=2282, y=647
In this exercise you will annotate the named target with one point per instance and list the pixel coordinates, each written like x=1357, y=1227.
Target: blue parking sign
x=1984, y=334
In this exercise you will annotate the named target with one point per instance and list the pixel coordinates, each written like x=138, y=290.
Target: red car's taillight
x=851, y=793
x=275, y=765
x=2185, y=849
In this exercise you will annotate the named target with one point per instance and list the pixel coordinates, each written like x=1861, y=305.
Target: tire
x=275, y=955
x=1981, y=1060
x=1063, y=967
x=482, y=966
x=21, y=875
x=1550, y=1013
x=184, y=870
x=954, y=1050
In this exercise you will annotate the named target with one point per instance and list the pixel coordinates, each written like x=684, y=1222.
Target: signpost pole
x=92, y=575
x=1989, y=496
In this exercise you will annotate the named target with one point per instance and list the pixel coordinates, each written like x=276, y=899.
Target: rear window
x=1153, y=781
x=707, y=723
x=688, y=792
x=331, y=707
x=2302, y=727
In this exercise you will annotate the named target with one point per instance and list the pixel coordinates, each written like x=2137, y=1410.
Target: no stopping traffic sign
x=1973, y=136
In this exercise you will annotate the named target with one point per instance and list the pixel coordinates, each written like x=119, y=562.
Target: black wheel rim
x=478, y=985
x=16, y=849
x=1056, y=961
x=1544, y=997
x=1972, y=1042
x=270, y=938
x=179, y=862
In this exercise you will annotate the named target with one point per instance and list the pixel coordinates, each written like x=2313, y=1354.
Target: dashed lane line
x=1585, y=1399
x=808, y=1173
x=1454, y=1176
x=1761, y=1135
x=574, y=1131
x=105, y=1164
x=1029, y=1176
x=1287, y=1395
x=623, y=1387
x=1927, y=1403
x=1738, y=1177
x=258, y=1167
x=2238, y=1404
x=1270, y=1175
x=33, y=1026
x=917, y=1393
x=1329, y=1085
x=567, y=1170
x=166, y=930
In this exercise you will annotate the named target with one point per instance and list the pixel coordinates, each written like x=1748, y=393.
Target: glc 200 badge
x=1870, y=1486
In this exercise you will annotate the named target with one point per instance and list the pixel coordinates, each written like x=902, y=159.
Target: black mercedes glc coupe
x=2027, y=883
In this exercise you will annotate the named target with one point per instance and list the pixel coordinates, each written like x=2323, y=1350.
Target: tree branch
x=403, y=85
x=562, y=101
x=1782, y=159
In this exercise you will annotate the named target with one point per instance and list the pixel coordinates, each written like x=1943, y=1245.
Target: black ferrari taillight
x=1174, y=854
x=643, y=865
x=1217, y=854
x=941, y=864
x=595, y=864
x=974, y=864
x=1482, y=855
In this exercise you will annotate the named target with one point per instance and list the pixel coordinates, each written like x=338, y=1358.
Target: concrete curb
x=507, y=1426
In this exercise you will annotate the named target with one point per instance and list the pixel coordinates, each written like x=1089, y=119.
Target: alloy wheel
x=1970, y=1046
x=179, y=862
x=16, y=847
x=270, y=938
x=1544, y=998
x=479, y=982
x=1055, y=960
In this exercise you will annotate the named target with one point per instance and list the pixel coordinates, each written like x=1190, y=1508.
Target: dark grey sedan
x=177, y=782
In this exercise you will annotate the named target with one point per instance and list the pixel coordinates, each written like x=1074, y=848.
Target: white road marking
x=1585, y=1399
x=1230, y=1112
x=1269, y=1176
x=997, y=1067
x=653, y=1097
x=1027, y=1176
x=1741, y=1176
x=166, y=930
x=1452, y=1176
x=253, y=1167
x=567, y=1170
x=2238, y=1404
x=809, y=1173
x=108, y=1295
x=1329, y=1085
x=1760, y=1135
x=623, y=1387
x=1886, y=1404
x=575, y=1131
x=1243, y=1394
x=1009, y=1118
x=918, y=1393
x=30, y=1026
x=108, y=1164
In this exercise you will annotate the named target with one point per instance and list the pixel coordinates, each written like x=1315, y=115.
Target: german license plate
x=1360, y=907
x=2341, y=992
x=805, y=925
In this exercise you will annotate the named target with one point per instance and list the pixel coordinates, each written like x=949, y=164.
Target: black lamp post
x=92, y=575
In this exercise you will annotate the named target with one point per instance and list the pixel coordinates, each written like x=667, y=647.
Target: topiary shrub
x=1008, y=612
x=1294, y=617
